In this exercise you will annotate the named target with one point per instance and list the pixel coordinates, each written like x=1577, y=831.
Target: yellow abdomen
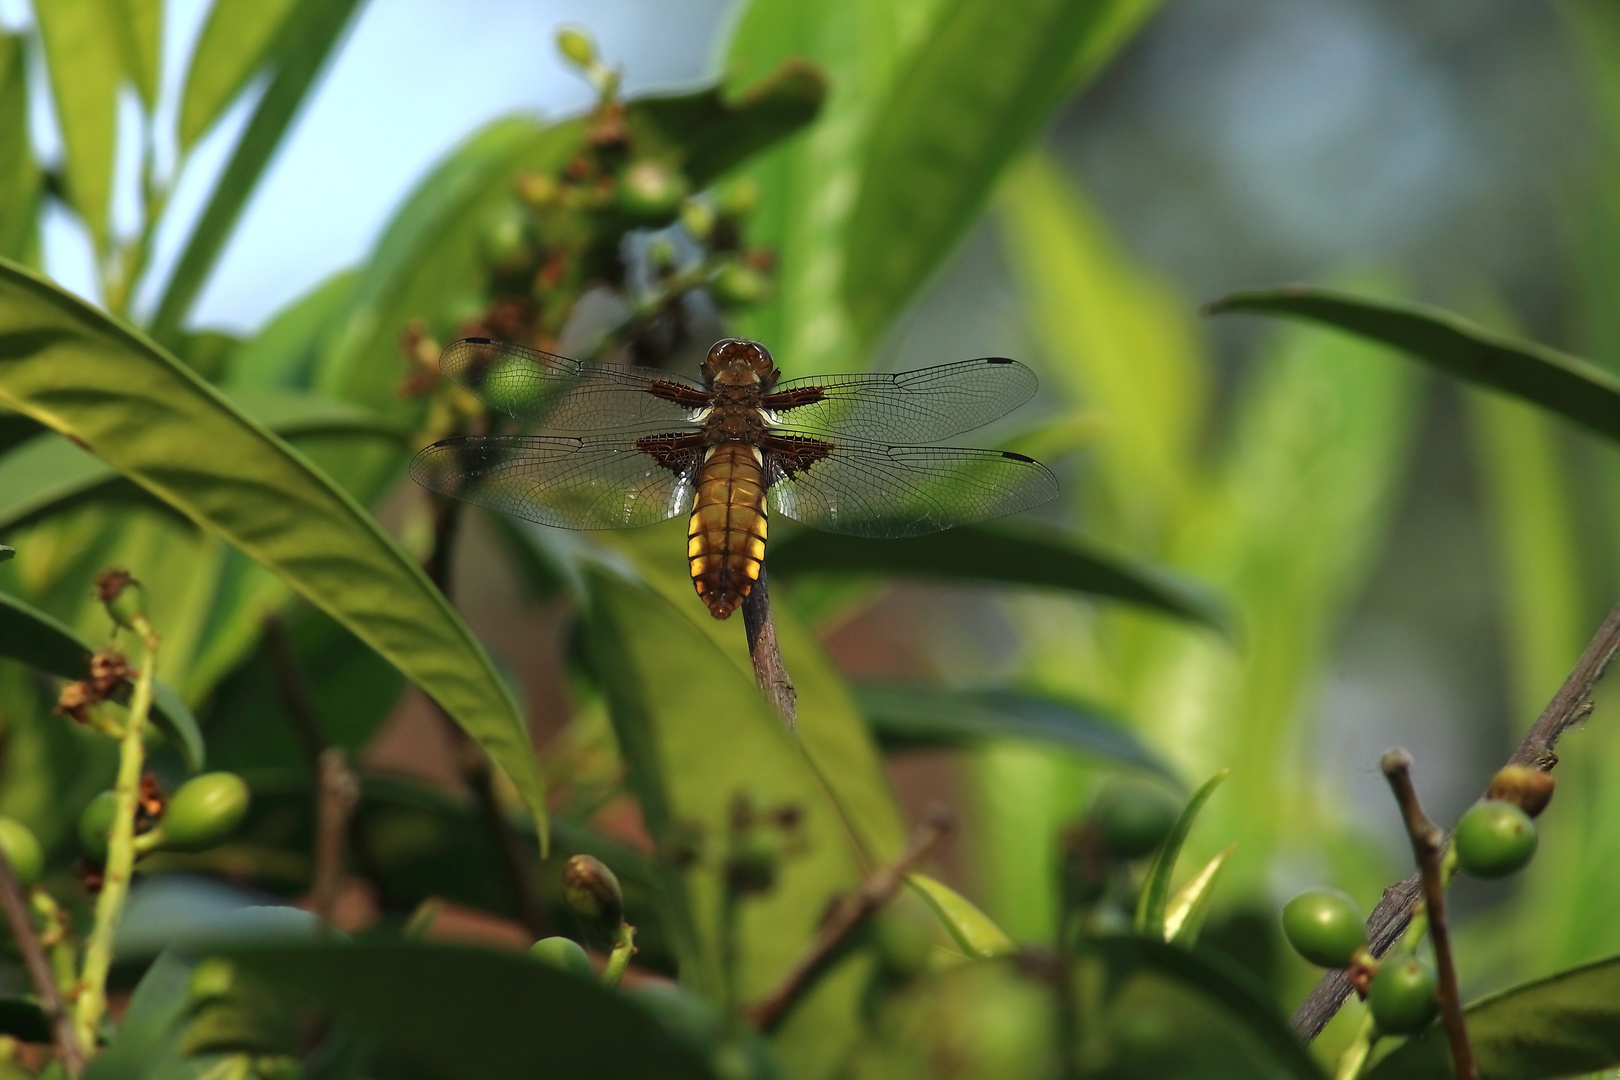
x=725, y=542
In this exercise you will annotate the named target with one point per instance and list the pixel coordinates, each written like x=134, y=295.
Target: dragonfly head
x=738, y=362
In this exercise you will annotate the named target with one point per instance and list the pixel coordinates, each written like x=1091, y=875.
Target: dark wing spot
x=997, y=360
x=1017, y=457
x=481, y=340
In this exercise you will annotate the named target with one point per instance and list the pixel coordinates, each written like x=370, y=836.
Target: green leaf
x=1155, y=897
x=1220, y=984
x=312, y=31
x=21, y=182
x=972, y=96
x=1564, y=1025
x=30, y=635
x=149, y=1030
x=73, y=368
x=7, y=553
x=235, y=44
x=711, y=132
x=51, y=475
x=1184, y=915
x=1573, y=388
x=1023, y=556
x=140, y=39
x=283, y=353
x=84, y=61
x=908, y=714
x=448, y=1011
x=970, y=927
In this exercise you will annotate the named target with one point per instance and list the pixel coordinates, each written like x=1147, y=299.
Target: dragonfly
x=615, y=446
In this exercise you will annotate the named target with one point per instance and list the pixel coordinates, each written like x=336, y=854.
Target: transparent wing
x=924, y=406
x=869, y=489
x=565, y=395
x=594, y=482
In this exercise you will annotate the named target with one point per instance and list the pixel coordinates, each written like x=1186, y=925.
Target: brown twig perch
x=338, y=793
x=766, y=653
x=1388, y=921
x=39, y=970
x=847, y=917
x=1428, y=841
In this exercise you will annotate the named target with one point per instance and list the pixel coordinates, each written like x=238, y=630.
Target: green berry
x=1133, y=819
x=564, y=955
x=903, y=933
x=651, y=189
x=737, y=285
x=1402, y=996
x=576, y=46
x=95, y=823
x=1494, y=839
x=205, y=811
x=22, y=851
x=591, y=891
x=1324, y=926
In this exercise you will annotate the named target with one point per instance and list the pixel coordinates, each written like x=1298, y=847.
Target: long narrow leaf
x=73, y=368
x=1024, y=556
x=234, y=44
x=30, y=635
x=1184, y=915
x=140, y=39
x=20, y=178
x=84, y=61
x=976, y=91
x=1564, y=1025
x=971, y=928
x=1150, y=907
x=312, y=32
x=908, y=714
x=1565, y=384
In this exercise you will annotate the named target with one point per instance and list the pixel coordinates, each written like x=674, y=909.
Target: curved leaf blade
x=84, y=62
x=1023, y=557
x=1567, y=385
x=971, y=928
x=82, y=373
x=140, y=37
x=312, y=32
x=909, y=714
x=234, y=44
x=1184, y=915
x=40, y=641
x=1150, y=907
x=21, y=182
x=974, y=93
x=1567, y=1024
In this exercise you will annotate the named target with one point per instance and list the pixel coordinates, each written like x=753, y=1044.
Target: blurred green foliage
x=254, y=485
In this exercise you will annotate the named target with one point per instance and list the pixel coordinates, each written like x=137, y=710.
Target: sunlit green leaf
x=1021, y=556
x=30, y=635
x=20, y=179
x=970, y=927
x=972, y=95
x=85, y=63
x=1564, y=1025
x=140, y=37
x=910, y=714
x=448, y=1011
x=311, y=32
x=1571, y=387
x=283, y=353
x=83, y=374
x=1155, y=896
x=1184, y=915
x=234, y=44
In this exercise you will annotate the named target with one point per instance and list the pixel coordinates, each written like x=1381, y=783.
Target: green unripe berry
x=1402, y=996
x=737, y=285
x=697, y=218
x=739, y=197
x=576, y=46
x=1133, y=819
x=22, y=851
x=591, y=891
x=563, y=954
x=903, y=934
x=1324, y=926
x=651, y=189
x=1494, y=839
x=205, y=811
x=212, y=979
x=95, y=823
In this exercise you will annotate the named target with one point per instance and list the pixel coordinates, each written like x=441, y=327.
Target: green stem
x=98, y=954
x=55, y=934
x=1354, y=1058
x=624, y=947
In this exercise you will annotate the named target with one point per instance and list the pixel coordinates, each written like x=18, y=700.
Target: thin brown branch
x=848, y=916
x=1428, y=841
x=337, y=794
x=766, y=652
x=39, y=970
x=1572, y=703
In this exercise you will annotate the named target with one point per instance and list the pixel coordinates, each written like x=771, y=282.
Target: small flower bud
x=75, y=701
x=651, y=189
x=739, y=199
x=124, y=597
x=108, y=671
x=592, y=891
x=697, y=218
x=737, y=285
x=22, y=851
x=1528, y=789
x=577, y=47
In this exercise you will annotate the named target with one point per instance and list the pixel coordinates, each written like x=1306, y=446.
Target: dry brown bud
x=592, y=891
x=1527, y=788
